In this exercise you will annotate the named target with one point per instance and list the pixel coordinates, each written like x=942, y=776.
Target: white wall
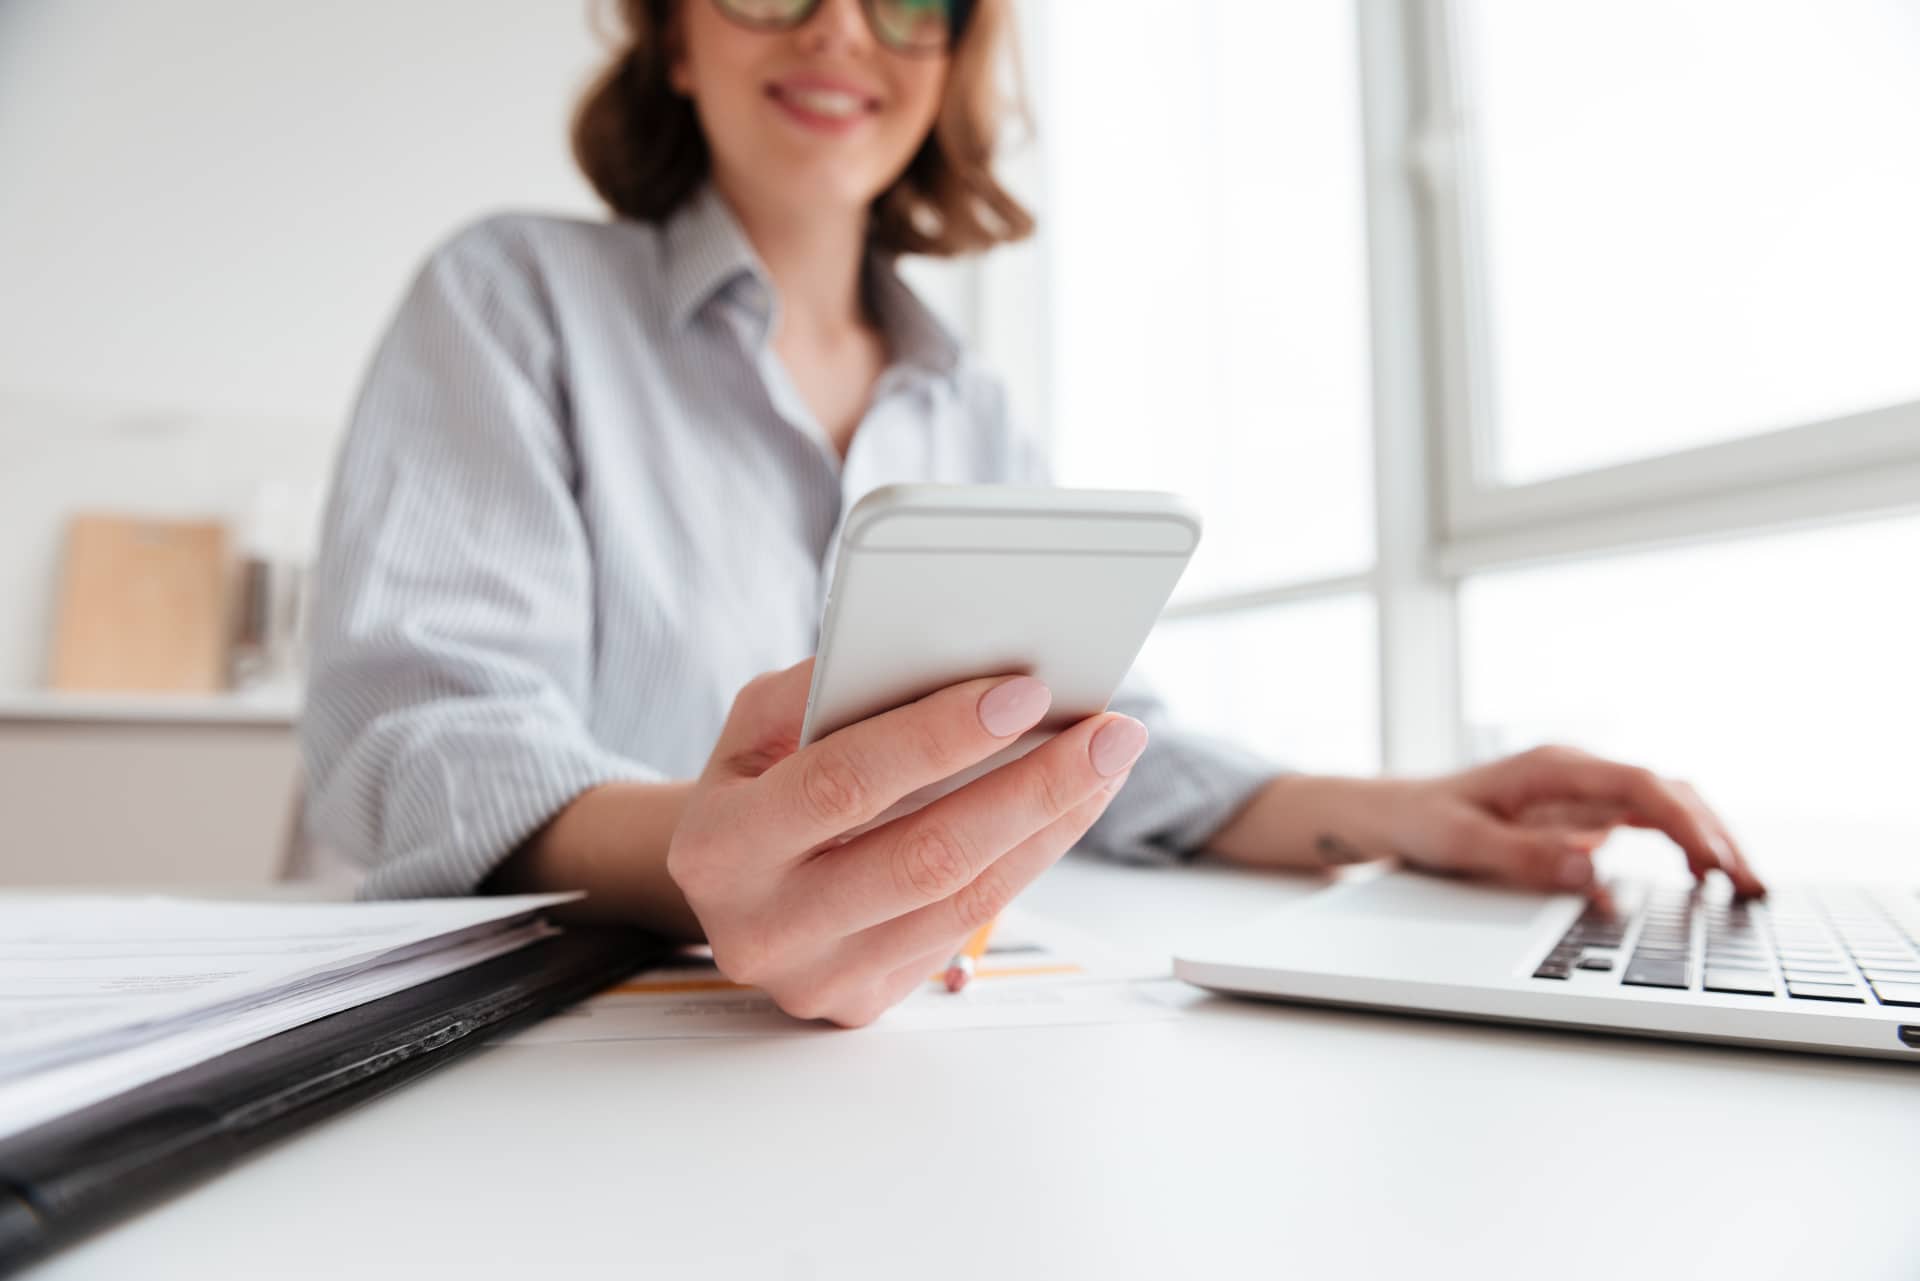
x=210, y=206
x=209, y=209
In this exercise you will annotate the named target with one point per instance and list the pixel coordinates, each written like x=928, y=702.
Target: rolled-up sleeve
x=1186, y=784
x=450, y=641
x=1183, y=789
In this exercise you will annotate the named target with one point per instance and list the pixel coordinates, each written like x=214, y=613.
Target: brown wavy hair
x=639, y=142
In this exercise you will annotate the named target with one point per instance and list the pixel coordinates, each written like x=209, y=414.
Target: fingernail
x=1574, y=871
x=1014, y=705
x=1117, y=745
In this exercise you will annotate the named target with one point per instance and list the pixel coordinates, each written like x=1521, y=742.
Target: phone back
x=941, y=583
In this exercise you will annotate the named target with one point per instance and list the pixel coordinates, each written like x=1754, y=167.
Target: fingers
x=1728, y=856
x=930, y=936
x=878, y=967
x=909, y=978
x=949, y=922
x=1675, y=809
x=943, y=849
x=763, y=725
x=857, y=1002
x=772, y=856
x=1648, y=801
x=853, y=775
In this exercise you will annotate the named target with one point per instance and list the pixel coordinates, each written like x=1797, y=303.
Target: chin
x=832, y=184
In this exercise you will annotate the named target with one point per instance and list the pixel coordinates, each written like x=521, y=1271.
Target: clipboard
x=91, y=1167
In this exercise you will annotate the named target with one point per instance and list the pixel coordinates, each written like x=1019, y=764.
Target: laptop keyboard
x=1813, y=943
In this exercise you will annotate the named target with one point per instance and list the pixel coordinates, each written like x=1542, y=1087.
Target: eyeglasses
x=904, y=26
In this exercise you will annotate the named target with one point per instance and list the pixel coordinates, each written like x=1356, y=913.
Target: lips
x=824, y=104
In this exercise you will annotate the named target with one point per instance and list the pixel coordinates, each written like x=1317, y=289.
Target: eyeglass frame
x=958, y=12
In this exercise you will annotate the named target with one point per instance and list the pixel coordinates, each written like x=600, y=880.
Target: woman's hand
x=840, y=926
x=1536, y=818
x=1532, y=820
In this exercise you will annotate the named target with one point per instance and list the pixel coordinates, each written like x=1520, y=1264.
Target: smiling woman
x=668, y=112
x=580, y=538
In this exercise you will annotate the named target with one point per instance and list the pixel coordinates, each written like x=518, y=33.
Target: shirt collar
x=917, y=339
x=706, y=251
x=708, y=254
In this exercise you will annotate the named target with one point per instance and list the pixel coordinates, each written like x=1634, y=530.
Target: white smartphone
x=936, y=584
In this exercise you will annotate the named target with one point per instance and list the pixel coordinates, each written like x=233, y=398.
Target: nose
x=837, y=24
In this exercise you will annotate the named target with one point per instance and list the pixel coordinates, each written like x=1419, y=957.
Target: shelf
x=265, y=707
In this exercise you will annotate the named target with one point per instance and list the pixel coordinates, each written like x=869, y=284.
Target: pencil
x=960, y=968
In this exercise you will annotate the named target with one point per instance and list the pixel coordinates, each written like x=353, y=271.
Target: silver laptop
x=1832, y=969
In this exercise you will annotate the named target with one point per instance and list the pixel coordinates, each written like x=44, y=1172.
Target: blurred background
x=1545, y=372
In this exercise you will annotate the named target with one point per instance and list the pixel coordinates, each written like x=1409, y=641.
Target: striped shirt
x=580, y=504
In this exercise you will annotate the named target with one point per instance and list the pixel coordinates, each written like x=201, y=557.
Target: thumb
x=763, y=725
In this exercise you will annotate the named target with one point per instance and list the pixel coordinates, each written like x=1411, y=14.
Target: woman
x=588, y=499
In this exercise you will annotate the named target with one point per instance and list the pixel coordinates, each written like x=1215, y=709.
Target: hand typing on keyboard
x=1536, y=819
x=1532, y=820
x=1529, y=821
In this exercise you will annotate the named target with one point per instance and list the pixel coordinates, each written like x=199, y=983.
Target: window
x=1294, y=682
x=1676, y=274
x=1697, y=219
x=1205, y=251
x=1208, y=266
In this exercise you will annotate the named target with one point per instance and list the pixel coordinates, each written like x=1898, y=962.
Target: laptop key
x=1751, y=982
x=1825, y=992
x=1656, y=973
x=1898, y=993
x=1558, y=965
x=1812, y=974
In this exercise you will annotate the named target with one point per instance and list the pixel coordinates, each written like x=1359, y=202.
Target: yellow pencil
x=961, y=967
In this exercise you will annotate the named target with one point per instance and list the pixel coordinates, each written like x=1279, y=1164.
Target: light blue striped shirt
x=581, y=504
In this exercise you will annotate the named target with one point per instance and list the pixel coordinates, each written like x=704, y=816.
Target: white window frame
x=1849, y=466
x=1443, y=514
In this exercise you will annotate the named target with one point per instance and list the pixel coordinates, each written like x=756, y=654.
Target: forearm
x=611, y=841
x=1312, y=822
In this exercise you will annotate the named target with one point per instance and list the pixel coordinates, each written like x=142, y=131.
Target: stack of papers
x=101, y=995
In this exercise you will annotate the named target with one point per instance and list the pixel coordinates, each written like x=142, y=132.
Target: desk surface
x=1240, y=1139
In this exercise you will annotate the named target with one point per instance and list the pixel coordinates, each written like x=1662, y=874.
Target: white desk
x=1238, y=1140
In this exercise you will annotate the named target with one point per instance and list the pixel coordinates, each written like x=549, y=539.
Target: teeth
x=825, y=102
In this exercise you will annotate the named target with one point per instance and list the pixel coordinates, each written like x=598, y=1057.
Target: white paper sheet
x=85, y=976
x=41, y=1096
x=1035, y=973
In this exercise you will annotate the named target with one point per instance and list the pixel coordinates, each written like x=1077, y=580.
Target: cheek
x=919, y=100
x=924, y=92
x=721, y=66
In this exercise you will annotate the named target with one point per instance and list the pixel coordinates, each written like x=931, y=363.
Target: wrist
x=610, y=841
x=1311, y=821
